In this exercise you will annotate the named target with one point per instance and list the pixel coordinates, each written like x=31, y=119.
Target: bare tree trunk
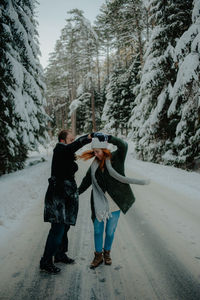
x=147, y=24
x=98, y=71
x=118, y=54
x=73, y=121
x=73, y=116
x=108, y=59
x=126, y=58
x=63, y=116
x=139, y=40
x=93, y=111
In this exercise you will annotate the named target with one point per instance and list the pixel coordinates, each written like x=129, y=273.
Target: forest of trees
x=135, y=73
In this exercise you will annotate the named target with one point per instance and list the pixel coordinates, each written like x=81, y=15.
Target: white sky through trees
x=51, y=17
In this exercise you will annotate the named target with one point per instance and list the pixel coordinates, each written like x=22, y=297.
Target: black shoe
x=64, y=259
x=49, y=268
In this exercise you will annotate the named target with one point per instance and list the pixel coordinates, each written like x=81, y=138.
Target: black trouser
x=57, y=242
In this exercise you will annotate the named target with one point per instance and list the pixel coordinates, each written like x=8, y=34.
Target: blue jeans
x=111, y=225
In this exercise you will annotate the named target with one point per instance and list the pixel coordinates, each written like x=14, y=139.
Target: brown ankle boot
x=98, y=259
x=107, y=258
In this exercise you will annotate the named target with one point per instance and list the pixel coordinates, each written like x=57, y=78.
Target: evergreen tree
x=58, y=88
x=89, y=49
x=22, y=115
x=63, y=75
x=152, y=130
x=121, y=23
x=105, y=37
x=73, y=69
x=121, y=27
x=119, y=101
x=185, y=106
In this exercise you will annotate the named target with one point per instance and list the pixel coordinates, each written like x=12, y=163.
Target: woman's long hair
x=90, y=153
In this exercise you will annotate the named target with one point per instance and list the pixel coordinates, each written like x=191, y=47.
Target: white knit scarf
x=101, y=206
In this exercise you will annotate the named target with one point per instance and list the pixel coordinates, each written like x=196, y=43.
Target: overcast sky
x=51, y=17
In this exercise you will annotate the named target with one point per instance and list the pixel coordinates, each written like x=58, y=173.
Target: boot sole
x=63, y=262
x=52, y=273
x=94, y=267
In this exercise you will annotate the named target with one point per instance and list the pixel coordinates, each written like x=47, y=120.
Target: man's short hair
x=63, y=135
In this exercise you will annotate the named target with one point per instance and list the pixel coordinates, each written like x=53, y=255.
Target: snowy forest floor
x=156, y=251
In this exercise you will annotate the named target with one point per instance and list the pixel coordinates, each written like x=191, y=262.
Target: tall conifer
x=22, y=115
x=153, y=131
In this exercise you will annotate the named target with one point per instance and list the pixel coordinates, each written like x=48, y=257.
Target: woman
x=61, y=200
x=111, y=192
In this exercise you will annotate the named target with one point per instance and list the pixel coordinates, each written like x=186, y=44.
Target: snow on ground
x=180, y=180
x=21, y=190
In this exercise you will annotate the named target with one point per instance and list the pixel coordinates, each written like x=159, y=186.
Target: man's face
x=69, y=139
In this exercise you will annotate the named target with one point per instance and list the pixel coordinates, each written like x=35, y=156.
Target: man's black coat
x=61, y=199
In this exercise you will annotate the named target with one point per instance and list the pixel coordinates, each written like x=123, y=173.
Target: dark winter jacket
x=121, y=193
x=61, y=199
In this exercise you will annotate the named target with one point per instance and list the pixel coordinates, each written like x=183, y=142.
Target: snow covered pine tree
x=152, y=128
x=185, y=95
x=22, y=115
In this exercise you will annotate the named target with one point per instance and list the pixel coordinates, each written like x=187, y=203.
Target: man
x=61, y=200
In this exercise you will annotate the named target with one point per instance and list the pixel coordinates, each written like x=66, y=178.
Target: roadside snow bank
x=21, y=190
x=185, y=182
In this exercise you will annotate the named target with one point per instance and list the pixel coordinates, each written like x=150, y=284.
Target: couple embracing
x=111, y=194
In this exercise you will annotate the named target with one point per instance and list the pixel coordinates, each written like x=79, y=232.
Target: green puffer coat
x=121, y=193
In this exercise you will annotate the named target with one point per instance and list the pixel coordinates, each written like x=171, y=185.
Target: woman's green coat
x=121, y=193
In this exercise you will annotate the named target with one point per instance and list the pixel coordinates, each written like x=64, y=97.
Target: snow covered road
x=156, y=252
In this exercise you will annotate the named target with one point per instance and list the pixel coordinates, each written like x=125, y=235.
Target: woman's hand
x=101, y=136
